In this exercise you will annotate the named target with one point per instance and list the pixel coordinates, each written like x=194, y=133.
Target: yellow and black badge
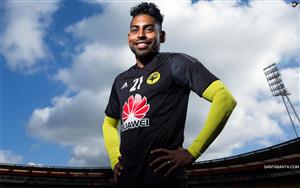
x=153, y=78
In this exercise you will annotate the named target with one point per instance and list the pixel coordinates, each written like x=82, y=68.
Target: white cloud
x=109, y=28
x=291, y=80
x=26, y=23
x=234, y=42
x=92, y=60
x=89, y=155
x=74, y=121
x=71, y=120
x=7, y=156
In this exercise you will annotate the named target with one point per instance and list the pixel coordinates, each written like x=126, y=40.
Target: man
x=150, y=99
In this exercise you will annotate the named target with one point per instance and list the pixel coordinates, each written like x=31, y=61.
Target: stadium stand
x=276, y=166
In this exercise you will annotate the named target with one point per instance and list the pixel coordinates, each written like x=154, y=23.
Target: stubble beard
x=146, y=53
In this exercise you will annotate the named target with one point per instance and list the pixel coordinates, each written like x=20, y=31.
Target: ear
x=162, y=36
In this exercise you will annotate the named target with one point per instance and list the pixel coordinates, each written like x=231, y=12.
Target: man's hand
x=170, y=159
x=117, y=170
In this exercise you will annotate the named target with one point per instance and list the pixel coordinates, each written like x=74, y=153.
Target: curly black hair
x=147, y=8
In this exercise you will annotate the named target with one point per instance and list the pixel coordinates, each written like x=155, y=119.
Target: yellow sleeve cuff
x=222, y=106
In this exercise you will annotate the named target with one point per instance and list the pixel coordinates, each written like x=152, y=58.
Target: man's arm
x=111, y=139
x=112, y=144
x=222, y=105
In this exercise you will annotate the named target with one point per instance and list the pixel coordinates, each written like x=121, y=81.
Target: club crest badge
x=153, y=78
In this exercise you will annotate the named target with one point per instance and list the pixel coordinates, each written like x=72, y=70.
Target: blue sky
x=58, y=61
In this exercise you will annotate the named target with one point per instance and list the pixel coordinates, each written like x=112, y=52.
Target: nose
x=141, y=33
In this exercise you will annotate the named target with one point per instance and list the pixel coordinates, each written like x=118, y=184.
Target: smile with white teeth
x=142, y=45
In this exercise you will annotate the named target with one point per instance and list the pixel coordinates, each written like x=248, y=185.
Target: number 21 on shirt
x=136, y=84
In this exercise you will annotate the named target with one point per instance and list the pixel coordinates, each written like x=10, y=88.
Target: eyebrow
x=147, y=25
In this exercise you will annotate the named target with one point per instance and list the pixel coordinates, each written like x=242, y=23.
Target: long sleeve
x=222, y=106
x=111, y=139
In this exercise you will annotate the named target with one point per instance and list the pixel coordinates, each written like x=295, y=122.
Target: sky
x=59, y=60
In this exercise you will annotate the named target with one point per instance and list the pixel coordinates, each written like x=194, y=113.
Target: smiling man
x=150, y=100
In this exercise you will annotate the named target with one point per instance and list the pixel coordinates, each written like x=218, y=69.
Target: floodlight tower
x=278, y=89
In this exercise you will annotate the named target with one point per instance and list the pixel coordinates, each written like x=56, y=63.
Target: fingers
x=163, y=165
x=115, y=177
x=117, y=170
x=163, y=159
x=171, y=169
x=170, y=159
x=118, y=166
x=159, y=160
x=160, y=151
x=117, y=173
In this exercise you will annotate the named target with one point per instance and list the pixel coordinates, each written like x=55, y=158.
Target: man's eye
x=149, y=29
x=133, y=30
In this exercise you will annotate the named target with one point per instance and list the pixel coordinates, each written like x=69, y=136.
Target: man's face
x=144, y=36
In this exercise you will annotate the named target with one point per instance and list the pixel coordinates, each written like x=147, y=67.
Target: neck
x=142, y=61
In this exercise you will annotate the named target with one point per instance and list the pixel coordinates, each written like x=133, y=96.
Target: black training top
x=152, y=105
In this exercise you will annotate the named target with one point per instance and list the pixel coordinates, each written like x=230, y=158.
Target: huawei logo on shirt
x=134, y=111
